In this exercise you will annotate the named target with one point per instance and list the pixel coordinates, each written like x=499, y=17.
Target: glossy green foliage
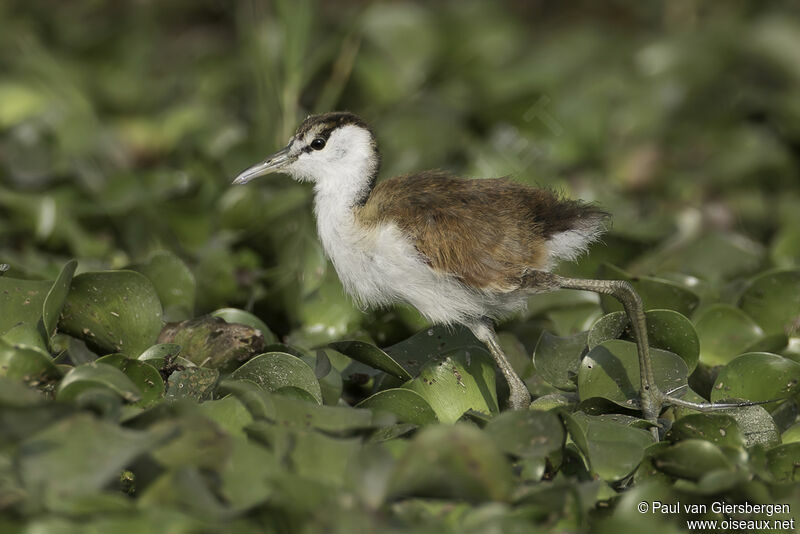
x=112, y=311
x=178, y=355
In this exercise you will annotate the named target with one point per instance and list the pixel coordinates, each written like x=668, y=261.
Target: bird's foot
x=707, y=407
x=653, y=400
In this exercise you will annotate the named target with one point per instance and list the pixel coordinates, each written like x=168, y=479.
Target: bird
x=460, y=250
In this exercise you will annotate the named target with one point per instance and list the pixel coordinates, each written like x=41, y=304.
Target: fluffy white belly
x=381, y=266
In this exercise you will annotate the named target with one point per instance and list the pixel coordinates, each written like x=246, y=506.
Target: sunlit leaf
x=457, y=382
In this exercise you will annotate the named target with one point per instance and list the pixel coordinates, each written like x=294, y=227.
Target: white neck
x=342, y=181
x=334, y=200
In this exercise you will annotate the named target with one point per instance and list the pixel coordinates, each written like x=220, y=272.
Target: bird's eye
x=318, y=143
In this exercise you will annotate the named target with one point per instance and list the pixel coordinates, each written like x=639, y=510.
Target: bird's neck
x=336, y=196
x=346, y=183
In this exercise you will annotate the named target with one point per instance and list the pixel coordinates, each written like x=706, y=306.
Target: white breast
x=380, y=265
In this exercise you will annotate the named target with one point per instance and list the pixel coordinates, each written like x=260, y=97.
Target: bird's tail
x=585, y=224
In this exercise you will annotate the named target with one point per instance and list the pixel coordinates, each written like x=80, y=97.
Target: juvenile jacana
x=465, y=251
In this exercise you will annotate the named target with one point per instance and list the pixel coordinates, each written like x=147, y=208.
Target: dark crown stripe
x=331, y=121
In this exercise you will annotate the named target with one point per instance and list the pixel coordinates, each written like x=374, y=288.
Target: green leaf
x=757, y=376
x=94, y=374
x=791, y=434
x=612, y=449
x=229, y=413
x=570, y=320
x=785, y=249
x=327, y=313
x=27, y=336
x=407, y=405
x=184, y=488
x=25, y=362
x=56, y=297
x=20, y=101
x=195, y=383
x=197, y=441
x=246, y=478
x=13, y=394
x=691, y=459
x=173, y=281
x=414, y=352
x=113, y=311
x=291, y=412
x=666, y=330
x=456, y=383
x=611, y=371
x=719, y=429
x=755, y=424
x=369, y=354
x=312, y=455
x=557, y=359
x=77, y=456
x=452, y=462
x=527, y=434
x=724, y=333
x=146, y=378
x=233, y=315
x=276, y=370
x=257, y=401
x=656, y=293
x=713, y=256
x=157, y=355
x=669, y=330
x=783, y=461
x=773, y=300
x=21, y=301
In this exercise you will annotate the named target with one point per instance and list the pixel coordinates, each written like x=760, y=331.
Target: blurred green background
x=122, y=124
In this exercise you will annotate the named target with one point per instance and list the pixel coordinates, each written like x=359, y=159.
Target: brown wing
x=487, y=232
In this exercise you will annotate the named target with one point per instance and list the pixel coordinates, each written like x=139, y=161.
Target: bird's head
x=330, y=149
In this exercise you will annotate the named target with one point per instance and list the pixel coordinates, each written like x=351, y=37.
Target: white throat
x=343, y=177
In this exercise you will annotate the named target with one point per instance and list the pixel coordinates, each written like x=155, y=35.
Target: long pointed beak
x=275, y=163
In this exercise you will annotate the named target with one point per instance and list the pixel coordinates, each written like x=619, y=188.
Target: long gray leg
x=651, y=397
x=519, y=398
x=623, y=291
